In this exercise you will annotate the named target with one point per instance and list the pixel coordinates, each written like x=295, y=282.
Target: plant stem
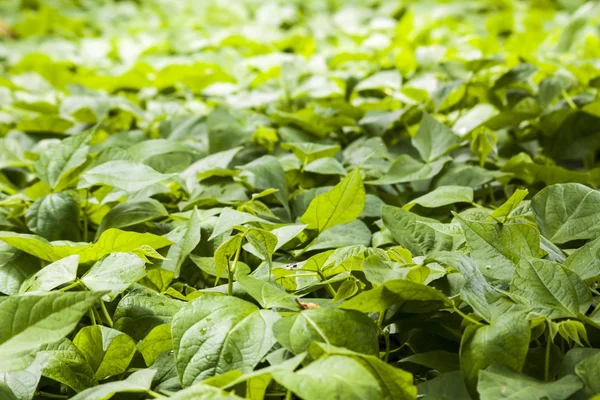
x=97, y=315
x=85, y=219
x=51, y=395
x=547, y=359
x=154, y=394
x=92, y=317
x=106, y=314
x=288, y=395
x=465, y=316
x=231, y=270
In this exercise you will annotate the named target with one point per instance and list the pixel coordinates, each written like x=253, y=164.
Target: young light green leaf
x=157, y=341
x=442, y=196
x=188, y=239
x=114, y=273
x=406, y=296
x=216, y=334
x=434, y=139
x=52, y=275
x=230, y=218
x=309, y=152
x=138, y=382
x=566, y=212
x=510, y=205
x=126, y=175
x=264, y=242
x=341, y=204
x=108, y=351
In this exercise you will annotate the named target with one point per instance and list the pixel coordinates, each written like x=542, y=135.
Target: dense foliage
x=299, y=199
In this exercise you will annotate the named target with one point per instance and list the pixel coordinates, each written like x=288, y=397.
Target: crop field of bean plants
x=299, y=199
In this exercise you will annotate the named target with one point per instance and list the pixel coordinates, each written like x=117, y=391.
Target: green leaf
x=142, y=309
x=52, y=275
x=22, y=384
x=131, y=213
x=138, y=382
x=352, y=233
x=57, y=162
x=230, y=218
x=499, y=247
x=510, y=205
x=442, y=196
x=439, y=360
x=31, y=321
x=108, y=351
x=115, y=240
x=448, y=386
x=225, y=252
x=497, y=383
x=551, y=289
x=216, y=334
x=505, y=342
x=434, y=139
x=55, y=217
x=188, y=239
x=326, y=166
x=344, y=328
x=407, y=169
x=64, y=363
x=406, y=296
x=267, y=294
x=264, y=242
x=588, y=371
x=126, y=175
x=309, y=152
x=114, y=273
x=364, y=376
x=157, y=341
x=567, y=212
x=267, y=173
x=341, y=204
x=585, y=261
x=408, y=230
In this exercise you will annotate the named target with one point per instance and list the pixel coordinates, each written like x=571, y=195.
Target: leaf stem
x=51, y=395
x=328, y=286
x=69, y=287
x=288, y=395
x=85, y=218
x=92, y=317
x=154, y=394
x=105, y=313
x=465, y=316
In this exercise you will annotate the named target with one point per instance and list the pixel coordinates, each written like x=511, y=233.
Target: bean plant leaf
x=342, y=204
x=215, y=334
x=567, y=212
